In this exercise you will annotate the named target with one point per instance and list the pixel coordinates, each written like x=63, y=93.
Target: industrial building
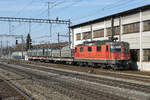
x=132, y=26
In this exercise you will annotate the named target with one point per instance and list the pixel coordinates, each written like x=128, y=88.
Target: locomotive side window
x=81, y=49
x=89, y=49
x=107, y=48
x=98, y=48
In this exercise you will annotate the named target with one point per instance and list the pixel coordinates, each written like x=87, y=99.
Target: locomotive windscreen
x=115, y=48
x=118, y=47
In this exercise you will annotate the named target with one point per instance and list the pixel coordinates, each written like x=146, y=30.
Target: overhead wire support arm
x=8, y=35
x=13, y=19
x=32, y=20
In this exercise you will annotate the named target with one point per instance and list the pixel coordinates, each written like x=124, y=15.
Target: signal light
x=16, y=42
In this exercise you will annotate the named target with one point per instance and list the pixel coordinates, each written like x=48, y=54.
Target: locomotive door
x=107, y=52
x=76, y=54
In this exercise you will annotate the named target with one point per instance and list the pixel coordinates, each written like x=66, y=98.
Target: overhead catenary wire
x=111, y=8
x=29, y=4
x=136, y=2
x=25, y=7
x=108, y=8
x=54, y=4
x=47, y=36
x=20, y=24
x=105, y=9
x=33, y=26
x=68, y=6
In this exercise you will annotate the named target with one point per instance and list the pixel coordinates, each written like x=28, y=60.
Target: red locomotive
x=108, y=54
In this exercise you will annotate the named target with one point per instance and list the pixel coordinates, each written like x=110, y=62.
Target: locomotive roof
x=88, y=43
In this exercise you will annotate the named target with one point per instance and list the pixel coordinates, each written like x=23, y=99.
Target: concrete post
x=22, y=48
x=1, y=48
x=121, y=29
x=141, y=49
x=105, y=31
x=73, y=40
x=91, y=32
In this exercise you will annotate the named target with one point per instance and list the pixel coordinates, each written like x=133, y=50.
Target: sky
x=77, y=10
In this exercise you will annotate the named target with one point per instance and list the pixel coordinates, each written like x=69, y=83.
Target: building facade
x=132, y=26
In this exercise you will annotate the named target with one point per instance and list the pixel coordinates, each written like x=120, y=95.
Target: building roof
x=132, y=11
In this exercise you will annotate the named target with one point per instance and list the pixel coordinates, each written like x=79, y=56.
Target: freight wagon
x=61, y=54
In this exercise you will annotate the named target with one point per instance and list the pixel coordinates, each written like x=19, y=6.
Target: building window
x=98, y=33
x=89, y=49
x=116, y=31
x=109, y=31
x=78, y=36
x=146, y=25
x=131, y=28
x=137, y=27
x=98, y=48
x=86, y=35
x=81, y=49
x=146, y=54
x=125, y=29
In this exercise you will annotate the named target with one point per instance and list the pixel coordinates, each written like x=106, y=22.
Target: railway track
x=136, y=77
x=101, y=80
x=72, y=89
x=10, y=92
x=133, y=75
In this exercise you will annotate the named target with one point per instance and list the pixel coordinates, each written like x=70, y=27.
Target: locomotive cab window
x=98, y=48
x=89, y=49
x=81, y=49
